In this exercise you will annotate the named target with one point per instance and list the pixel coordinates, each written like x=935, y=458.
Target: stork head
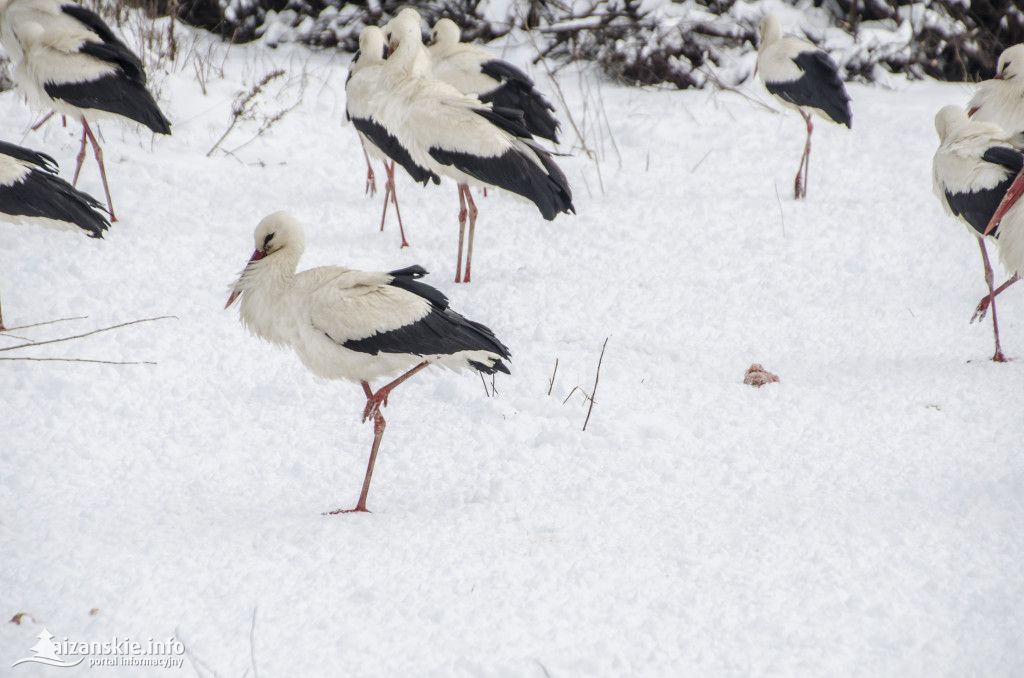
x=278, y=233
x=768, y=31
x=1011, y=64
x=446, y=33
x=403, y=26
x=371, y=46
x=949, y=119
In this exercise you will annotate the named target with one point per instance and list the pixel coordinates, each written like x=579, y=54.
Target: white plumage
x=1001, y=99
x=802, y=77
x=476, y=72
x=462, y=138
x=354, y=325
x=66, y=59
x=364, y=101
x=419, y=61
x=972, y=170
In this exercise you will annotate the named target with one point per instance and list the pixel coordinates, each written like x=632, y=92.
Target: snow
x=861, y=517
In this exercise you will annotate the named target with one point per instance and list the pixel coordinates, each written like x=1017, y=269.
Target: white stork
x=31, y=192
x=464, y=139
x=69, y=61
x=973, y=168
x=362, y=101
x=802, y=77
x=1001, y=101
x=474, y=71
x=419, y=62
x=354, y=325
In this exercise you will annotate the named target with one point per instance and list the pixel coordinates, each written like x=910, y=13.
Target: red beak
x=256, y=256
x=997, y=76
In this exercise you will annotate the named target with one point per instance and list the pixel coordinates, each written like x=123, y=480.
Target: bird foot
x=374, y=403
x=1000, y=358
x=982, y=309
x=351, y=510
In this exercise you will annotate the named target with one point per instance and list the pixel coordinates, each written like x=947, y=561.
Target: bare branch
x=78, y=360
x=48, y=322
x=252, y=644
x=596, y=377
x=87, y=334
x=551, y=384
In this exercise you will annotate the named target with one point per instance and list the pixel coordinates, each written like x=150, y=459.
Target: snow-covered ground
x=862, y=517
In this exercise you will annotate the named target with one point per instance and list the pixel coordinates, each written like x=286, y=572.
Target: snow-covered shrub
x=685, y=43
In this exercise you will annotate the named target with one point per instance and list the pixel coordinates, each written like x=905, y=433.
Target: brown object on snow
x=758, y=376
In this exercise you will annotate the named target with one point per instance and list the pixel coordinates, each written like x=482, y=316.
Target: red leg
x=800, y=185
x=463, y=189
x=1009, y=200
x=2, y=328
x=998, y=355
x=388, y=187
x=472, y=230
x=982, y=309
x=43, y=121
x=371, y=182
x=80, y=158
x=372, y=409
x=103, y=172
x=394, y=199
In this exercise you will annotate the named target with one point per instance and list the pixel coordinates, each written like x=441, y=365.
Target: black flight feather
x=547, y=187
x=819, y=87
x=441, y=332
x=113, y=94
x=516, y=90
x=978, y=207
x=391, y=147
x=41, y=193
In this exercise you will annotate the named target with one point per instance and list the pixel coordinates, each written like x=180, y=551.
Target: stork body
x=802, y=77
x=66, y=59
x=355, y=325
x=972, y=170
x=31, y=192
x=460, y=137
x=1001, y=101
x=476, y=72
x=363, y=102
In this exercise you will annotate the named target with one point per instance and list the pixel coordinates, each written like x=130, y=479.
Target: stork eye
x=266, y=241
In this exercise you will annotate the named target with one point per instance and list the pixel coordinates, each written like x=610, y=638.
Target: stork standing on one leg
x=802, y=77
x=362, y=102
x=1001, y=101
x=972, y=170
x=31, y=192
x=464, y=139
x=69, y=61
x=354, y=325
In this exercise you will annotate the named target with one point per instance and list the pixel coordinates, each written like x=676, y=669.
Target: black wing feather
x=515, y=172
x=40, y=160
x=120, y=56
x=113, y=94
x=517, y=91
x=1010, y=158
x=442, y=331
x=819, y=87
x=978, y=207
x=391, y=147
x=43, y=194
